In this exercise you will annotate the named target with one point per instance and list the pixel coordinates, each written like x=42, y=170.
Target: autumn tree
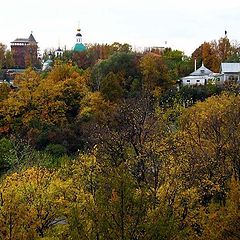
x=130, y=132
x=199, y=164
x=32, y=201
x=210, y=134
x=121, y=204
x=211, y=129
x=40, y=107
x=118, y=47
x=111, y=86
x=4, y=91
x=224, y=48
x=235, y=52
x=221, y=220
x=213, y=53
x=9, y=61
x=207, y=54
x=154, y=72
x=84, y=59
x=2, y=54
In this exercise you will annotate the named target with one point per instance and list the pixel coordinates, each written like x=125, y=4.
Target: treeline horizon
x=211, y=53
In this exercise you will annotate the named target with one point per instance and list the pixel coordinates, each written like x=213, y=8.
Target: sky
x=179, y=24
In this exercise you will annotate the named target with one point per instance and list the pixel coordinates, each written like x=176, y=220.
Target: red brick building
x=25, y=52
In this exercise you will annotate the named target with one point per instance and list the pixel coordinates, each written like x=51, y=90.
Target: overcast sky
x=184, y=24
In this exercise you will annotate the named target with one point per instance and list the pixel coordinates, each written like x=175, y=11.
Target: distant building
x=201, y=76
x=25, y=52
x=79, y=46
x=231, y=72
x=157, y=50
x=58, y=53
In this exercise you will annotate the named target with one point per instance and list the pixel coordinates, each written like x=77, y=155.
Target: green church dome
x=79, y=47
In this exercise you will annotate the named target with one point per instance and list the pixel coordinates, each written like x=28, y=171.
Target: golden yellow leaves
x=95, y=106
x=50, y=100
x=31, y=202
x=155, y=73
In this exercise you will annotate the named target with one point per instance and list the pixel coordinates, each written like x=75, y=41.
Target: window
x=233, y=77
x=188, y=81
x=198, y=80
x=202, y=71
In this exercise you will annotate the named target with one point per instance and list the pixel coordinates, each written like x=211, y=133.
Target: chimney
x=195, y=64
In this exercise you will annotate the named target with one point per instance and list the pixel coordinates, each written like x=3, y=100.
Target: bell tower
x=79, y=46
x=78, y=36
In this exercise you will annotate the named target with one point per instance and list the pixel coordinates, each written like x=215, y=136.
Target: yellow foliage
x=48, y=100
x=94, y=105
x=31, y=201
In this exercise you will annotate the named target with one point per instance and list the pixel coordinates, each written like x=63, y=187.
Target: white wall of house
x=231, y=71
x=232, y=77
x=192, y=80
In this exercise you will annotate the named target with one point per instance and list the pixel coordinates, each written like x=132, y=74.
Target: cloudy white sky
x=184, y=24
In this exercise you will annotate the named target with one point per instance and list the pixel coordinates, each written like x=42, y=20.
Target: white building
x=58, y=53
x=201, y=76
x=231, y=72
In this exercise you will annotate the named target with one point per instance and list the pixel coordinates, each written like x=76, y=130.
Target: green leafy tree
x=123, y=64
x=178, y=64
x=111, y=86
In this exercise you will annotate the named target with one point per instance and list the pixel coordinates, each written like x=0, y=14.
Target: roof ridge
x=31, y=38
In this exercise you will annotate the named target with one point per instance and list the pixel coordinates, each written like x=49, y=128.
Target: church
x=58, y=53
x=79, y=47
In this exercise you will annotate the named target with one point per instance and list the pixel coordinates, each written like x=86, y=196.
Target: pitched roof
x=31, y=38
x=201, y=71
x=20, y=40
x=230, y=67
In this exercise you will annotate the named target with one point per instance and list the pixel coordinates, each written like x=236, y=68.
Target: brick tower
x=25, y=52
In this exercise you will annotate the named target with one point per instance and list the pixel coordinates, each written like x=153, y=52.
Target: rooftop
x=30, y=39
x=202, y=71
x=59, y=49
x=230, y=67
x=79, y=47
